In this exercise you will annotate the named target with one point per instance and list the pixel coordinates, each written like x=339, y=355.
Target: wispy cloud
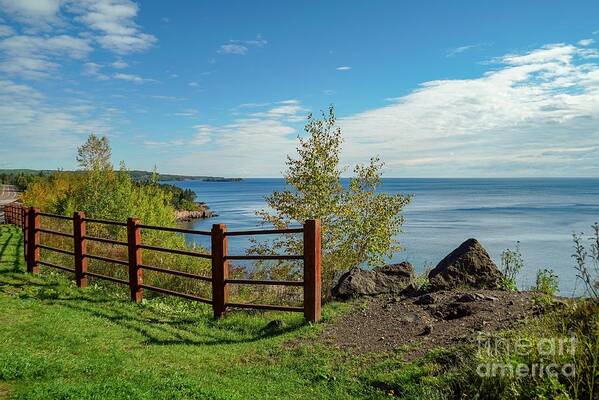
x=167, y=143
x=343, y=68
x=114, y=22
x=233, y=48
x=94, y=70
x=531, y=114
x=40, y=14
x=188, y=112
x=37, y=52
x=132, y=78
x=168, y=98
x=586, y=42
x=35, y=57
x=241, y=47
x=462, y=49
x=503, y=123
x=31, y=125
x=119, y=64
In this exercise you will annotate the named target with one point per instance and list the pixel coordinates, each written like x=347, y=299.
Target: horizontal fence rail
x=30, y=220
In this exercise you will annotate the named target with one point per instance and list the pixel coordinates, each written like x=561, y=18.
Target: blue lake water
x=541, y=213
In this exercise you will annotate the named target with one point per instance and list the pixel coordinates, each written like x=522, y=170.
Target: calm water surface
x=540, y=213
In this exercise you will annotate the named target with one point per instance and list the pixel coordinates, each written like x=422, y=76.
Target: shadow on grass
x=202, y=329
x=11, y=247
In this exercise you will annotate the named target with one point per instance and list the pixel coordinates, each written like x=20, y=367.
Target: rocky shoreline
x=202, y=211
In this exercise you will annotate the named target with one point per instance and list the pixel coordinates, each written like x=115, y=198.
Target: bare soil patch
x=419, y=324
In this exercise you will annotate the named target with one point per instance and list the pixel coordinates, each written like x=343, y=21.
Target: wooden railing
x=30, y=220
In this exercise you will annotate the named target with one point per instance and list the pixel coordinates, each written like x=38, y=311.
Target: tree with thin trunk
x=359, y=223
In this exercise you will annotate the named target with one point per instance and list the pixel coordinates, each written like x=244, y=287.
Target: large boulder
x=357, y=282
x=467, y=266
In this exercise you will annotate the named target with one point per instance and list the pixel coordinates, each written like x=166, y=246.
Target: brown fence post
x=25, y=231
x=220, y=270
x=135, y=271
x=80, y=248
x=22, y=210
x=312, y=284
x=33, y=240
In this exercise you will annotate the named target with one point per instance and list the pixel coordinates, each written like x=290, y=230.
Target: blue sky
x=439, y=89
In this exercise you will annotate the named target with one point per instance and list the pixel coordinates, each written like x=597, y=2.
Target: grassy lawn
x=61, y=342
x=58, y=341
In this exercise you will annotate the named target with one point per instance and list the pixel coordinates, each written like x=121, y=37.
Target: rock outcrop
x=467, y=266
x=202, y=211
x=357, y=282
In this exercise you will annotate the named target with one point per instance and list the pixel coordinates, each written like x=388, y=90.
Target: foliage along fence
x=30, y=220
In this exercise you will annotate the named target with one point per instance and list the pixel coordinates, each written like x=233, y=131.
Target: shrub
x=511, y=264
x=547, y=282
x=104, y=193
x=587, y=265
x=359, y=224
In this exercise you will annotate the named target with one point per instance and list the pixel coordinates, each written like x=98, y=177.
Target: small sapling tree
x=359, y=223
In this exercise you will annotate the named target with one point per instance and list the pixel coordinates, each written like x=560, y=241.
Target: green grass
x=58, y=341
x=61, y=342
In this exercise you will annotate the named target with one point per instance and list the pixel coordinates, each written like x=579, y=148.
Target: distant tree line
x=20, y=180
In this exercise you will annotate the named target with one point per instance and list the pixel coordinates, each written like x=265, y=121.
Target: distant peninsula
x=145, y=175
x=137, y=175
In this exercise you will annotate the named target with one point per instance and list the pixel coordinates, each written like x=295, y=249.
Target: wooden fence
x=30, y=220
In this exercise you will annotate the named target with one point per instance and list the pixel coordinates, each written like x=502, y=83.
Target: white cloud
x=245, y=147
x=38, y=13
x=132, y=78
x=586, y=42
x=531, y=114
x=46, y=133
x=290, y=110
x=114, y=20
x=503, y=123
x=168, y=98
x=94, y=70
x=167, y=143
x=343, y=68
x=561, y=53
x=188, y=112
x=241, y=47
x=119, y=64
x=193, y=84
x=232, y=48
x=70, y=46
x=461, y=49
x=34, y=57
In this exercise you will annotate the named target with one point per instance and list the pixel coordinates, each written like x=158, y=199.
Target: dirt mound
x=387, y=323
x=468, y=265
